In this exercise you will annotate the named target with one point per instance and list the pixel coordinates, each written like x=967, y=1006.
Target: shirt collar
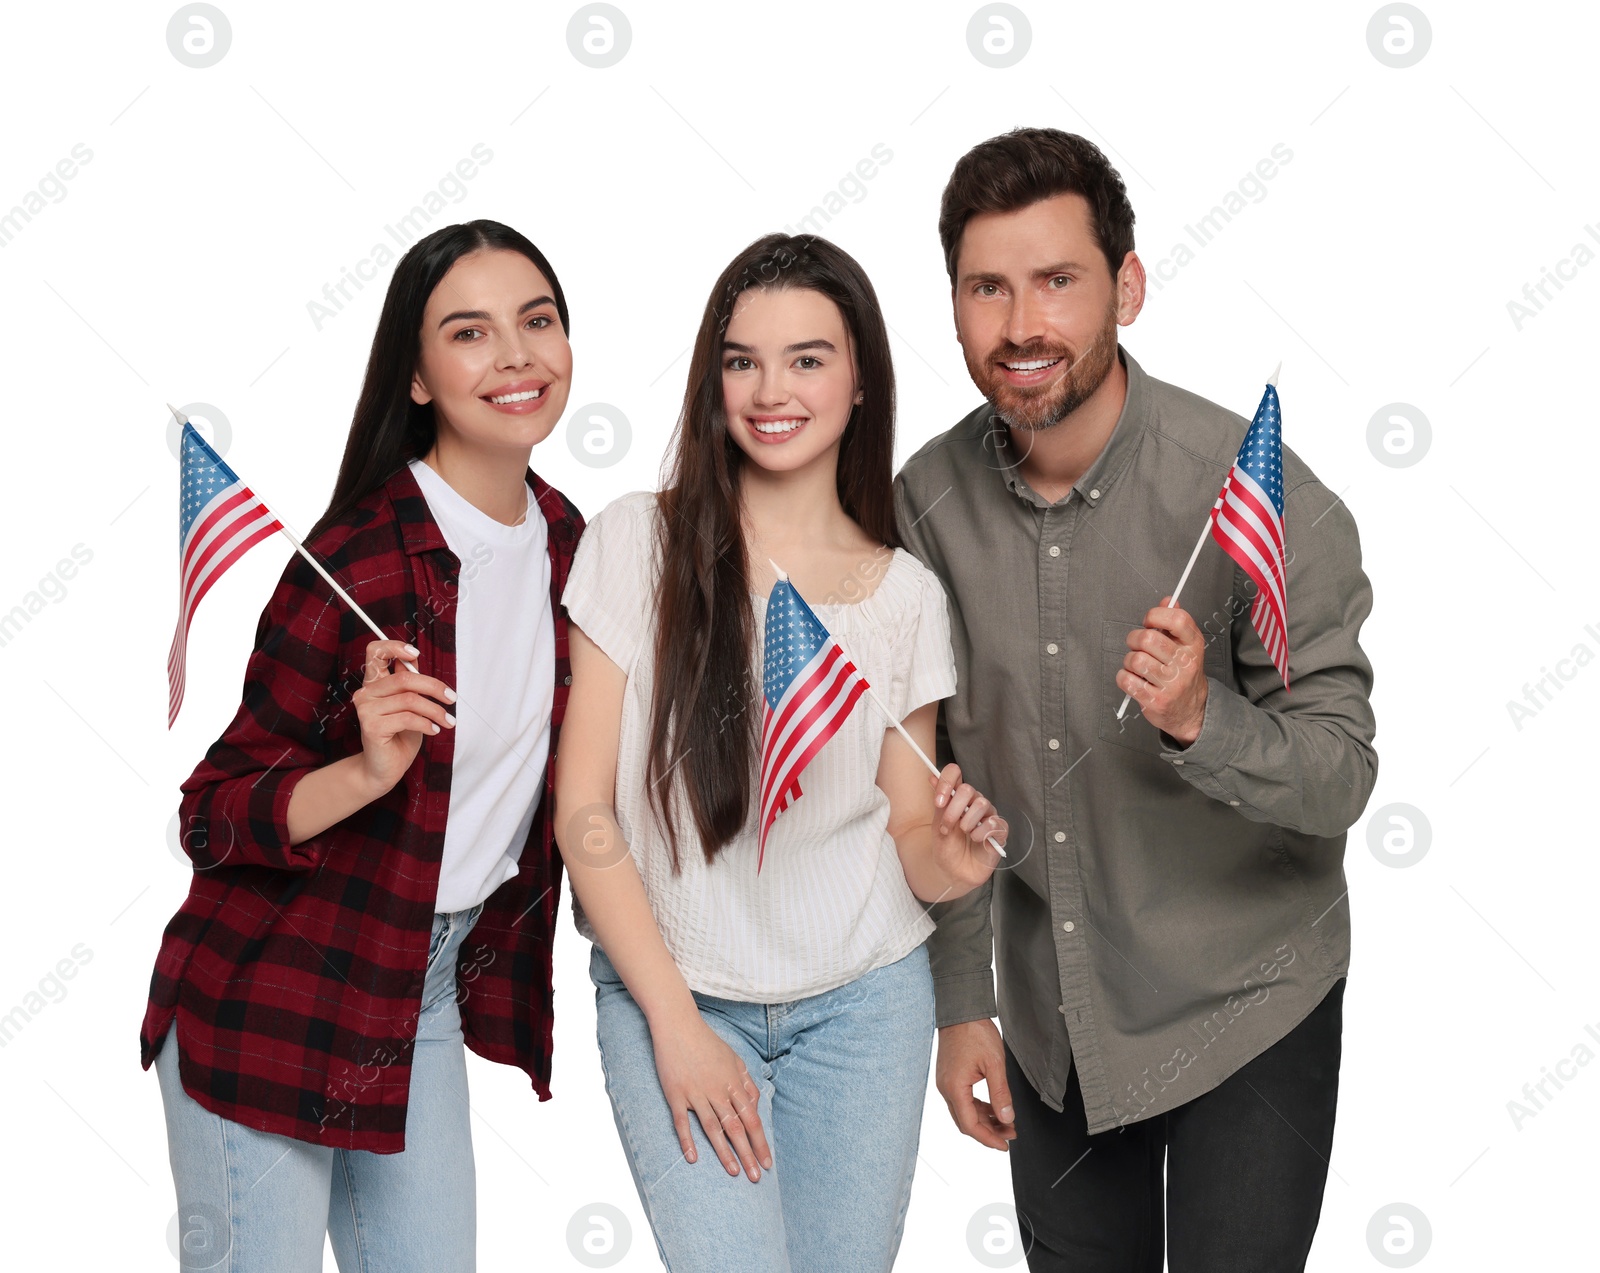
x=418, y=529
x=421, y=532
x=1109, y=465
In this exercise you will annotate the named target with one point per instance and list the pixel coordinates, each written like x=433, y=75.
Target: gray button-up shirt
x=1166, y=913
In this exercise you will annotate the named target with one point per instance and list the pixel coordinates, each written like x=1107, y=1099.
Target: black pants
x=1245, y=1166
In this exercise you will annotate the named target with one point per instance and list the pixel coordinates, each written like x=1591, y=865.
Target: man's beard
x=1036, y=409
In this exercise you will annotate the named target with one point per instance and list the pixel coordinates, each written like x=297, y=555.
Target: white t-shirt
x=831, y=902
x=505, y=688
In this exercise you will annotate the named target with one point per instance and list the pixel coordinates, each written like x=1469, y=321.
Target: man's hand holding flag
x=1164, y=666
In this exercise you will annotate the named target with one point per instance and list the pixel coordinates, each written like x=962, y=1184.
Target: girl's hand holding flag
x=809, y=686
x=964, y=828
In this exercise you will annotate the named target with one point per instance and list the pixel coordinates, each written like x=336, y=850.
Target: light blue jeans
x=842, y=1076
x=253, y=1202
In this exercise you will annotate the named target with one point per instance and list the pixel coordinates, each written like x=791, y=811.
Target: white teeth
x=525, y=396
x=778, y=426
x=1033, y=365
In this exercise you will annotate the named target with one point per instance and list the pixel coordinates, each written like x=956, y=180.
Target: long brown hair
x=704, y=719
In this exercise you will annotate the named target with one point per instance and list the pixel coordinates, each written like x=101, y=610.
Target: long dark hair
x=701, y=713
x=389, y=429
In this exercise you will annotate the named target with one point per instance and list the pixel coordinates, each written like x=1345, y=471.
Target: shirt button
x=1234, y=803
x=1068, y=926
x=1052, y=648
x=1095, y=493
x=1062, y=1009
x=1179, y=761
x=1055, y=744
x=567, y=679
x=1060, y=836
x=1055, y=550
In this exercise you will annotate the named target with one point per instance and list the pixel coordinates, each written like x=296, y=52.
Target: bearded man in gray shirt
x=1171, y=930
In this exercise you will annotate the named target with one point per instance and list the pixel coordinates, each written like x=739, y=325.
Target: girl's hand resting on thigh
x=699, y=1071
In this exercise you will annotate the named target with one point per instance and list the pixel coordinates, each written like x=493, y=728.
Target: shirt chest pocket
x=1133, y=730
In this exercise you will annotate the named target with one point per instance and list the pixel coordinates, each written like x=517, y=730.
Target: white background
x=1378, y=266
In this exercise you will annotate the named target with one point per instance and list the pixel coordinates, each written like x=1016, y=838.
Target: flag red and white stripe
x=220, y=519
x=810, y=687
x=1246, y=526
x=1247, y=520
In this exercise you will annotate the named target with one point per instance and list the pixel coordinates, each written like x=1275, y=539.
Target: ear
x=419, y=391
x=1130, y=284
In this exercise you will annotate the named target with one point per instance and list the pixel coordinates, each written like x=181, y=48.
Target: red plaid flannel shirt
x=295, y=971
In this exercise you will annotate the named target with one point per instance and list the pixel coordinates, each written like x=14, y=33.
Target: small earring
x=861, y=397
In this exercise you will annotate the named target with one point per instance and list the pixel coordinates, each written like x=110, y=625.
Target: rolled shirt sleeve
x=235, y=806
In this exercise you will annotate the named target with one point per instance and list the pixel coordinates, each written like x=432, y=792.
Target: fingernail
x=449, y=718
x=1006, y=1114
x=432, y=728
x=413, y=651
x=449, y=695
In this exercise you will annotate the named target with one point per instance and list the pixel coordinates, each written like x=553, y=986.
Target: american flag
x=809, y=687
x=219, y=520
x=1247, y=520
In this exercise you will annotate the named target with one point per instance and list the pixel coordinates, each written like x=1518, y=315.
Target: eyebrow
x=788, y=349
x=1048, y=271
x=483, y=317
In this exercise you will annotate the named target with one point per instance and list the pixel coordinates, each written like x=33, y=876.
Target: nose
x=515, y=350
x=770, y=388
x=1024, y=318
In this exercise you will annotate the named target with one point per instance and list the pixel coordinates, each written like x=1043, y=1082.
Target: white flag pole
x=1200, y=543
x=898, y=727
x=314, y=563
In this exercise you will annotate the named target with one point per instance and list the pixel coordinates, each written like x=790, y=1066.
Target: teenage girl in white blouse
x=781, y=1019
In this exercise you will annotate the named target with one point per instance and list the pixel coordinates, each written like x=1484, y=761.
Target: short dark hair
x=1020, y=168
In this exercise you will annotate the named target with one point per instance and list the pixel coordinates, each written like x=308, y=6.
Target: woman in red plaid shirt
x=375, y=879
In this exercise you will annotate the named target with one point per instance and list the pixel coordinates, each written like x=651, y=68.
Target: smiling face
x=1037, y=309
x=789, y=377
x=493, y=359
